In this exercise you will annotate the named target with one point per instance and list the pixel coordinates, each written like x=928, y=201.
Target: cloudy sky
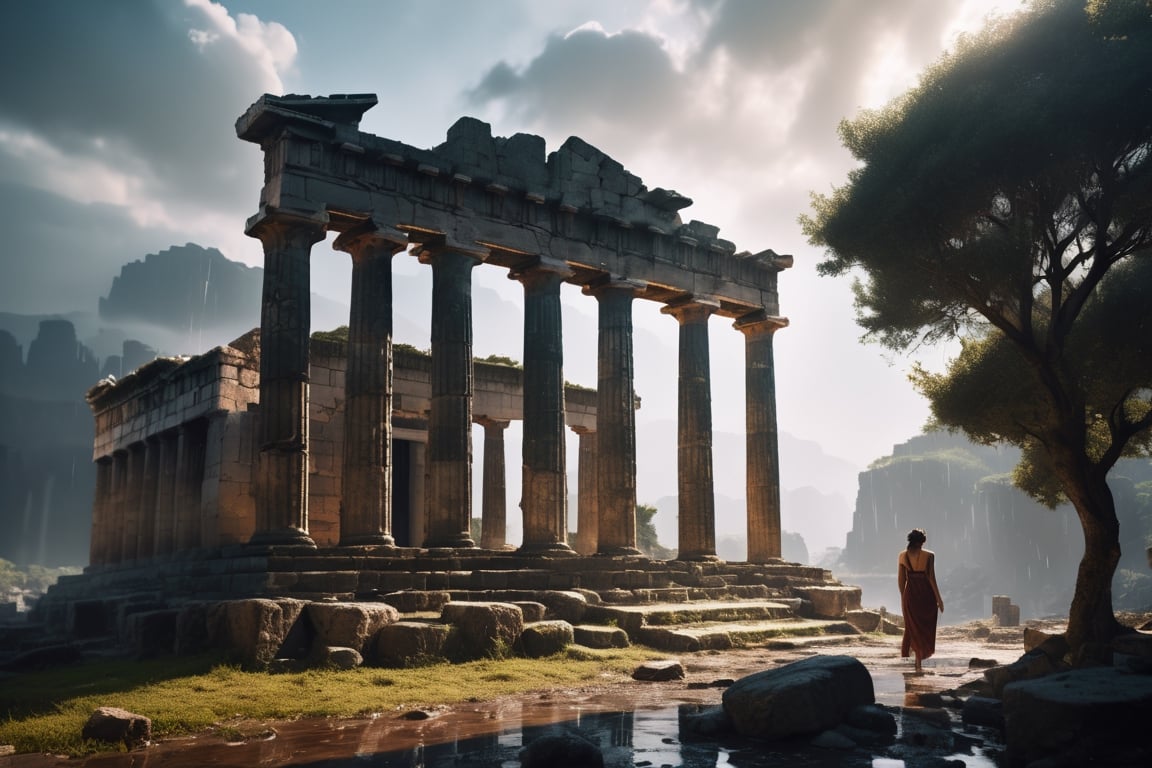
x=117, y=139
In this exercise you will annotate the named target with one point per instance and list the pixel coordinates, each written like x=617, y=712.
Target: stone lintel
x=271, y=216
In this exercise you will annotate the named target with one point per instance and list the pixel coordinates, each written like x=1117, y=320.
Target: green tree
x=1007, y=201
x=646, y=538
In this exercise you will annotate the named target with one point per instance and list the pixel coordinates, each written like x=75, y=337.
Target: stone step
x=721, y=635
x=631, y=618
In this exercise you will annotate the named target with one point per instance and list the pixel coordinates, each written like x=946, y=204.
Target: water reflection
x=492, y=734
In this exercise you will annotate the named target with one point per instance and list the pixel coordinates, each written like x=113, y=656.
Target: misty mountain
x=990, y=538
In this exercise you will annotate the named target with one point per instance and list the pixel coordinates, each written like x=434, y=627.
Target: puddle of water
x=491, y=735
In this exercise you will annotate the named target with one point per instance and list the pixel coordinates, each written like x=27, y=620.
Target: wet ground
x=636, y=723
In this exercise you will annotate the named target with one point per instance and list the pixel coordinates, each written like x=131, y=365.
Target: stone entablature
x=506, y=196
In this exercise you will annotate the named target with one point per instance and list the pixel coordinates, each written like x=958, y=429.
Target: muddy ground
x=647, y=734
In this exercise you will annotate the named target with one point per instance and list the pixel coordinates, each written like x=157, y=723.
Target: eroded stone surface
x=807, y=696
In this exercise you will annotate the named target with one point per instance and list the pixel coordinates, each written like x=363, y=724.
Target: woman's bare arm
x=932, y=581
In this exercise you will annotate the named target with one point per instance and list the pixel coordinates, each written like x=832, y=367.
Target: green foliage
x=646, y=539
x=1007, y=201
x=500, y=360
x=34, y=578
x=338, y=335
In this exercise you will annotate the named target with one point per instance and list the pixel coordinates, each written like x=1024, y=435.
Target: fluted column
x=697, y=502
x=166, y=496
x=616, y=419
x=366, y=506
x=191, y=446
x=133, y=502
x=101, y=507
x=449, y=493
x=282, y=424
x=149, y=486
x=117, y=503
x=587, y=506
x=763, y=452
x=494, y=511
x=545, y=482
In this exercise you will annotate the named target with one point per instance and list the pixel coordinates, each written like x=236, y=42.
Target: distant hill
x=186, y=286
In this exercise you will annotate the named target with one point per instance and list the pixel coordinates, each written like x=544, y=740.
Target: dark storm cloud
x=587, y=78
x=124, y=85
x=60, y=256
x=773, y=77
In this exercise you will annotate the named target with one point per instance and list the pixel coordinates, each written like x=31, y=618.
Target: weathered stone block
x=410, y=644
x=254, y=631
x=484, y=630
x=592, y=636
x=831, y=602
x=545, y=638
x=350, y=625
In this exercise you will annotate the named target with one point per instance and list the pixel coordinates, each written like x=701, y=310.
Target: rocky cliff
x=989, y=537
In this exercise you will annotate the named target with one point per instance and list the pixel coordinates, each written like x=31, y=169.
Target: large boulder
x=804, y=697
x=1033, y=664
x=1097, y=715
x=254, y=631
x=118, y=726
x=483, y=630
x=349, y=625
x=410, y=644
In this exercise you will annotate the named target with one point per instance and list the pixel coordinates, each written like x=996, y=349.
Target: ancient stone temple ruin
x=285, y=466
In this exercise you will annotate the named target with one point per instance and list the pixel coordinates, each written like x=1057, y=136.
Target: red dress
x=918, y=603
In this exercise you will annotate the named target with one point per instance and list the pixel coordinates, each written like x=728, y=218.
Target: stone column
x=189, y=484
x=587, y=506
x=366, y=506
x=101, y=508
x=149, y=486
x=166, y=496
x=133, y=501
x=697, y=502
x=616, y=419
x=763, y=452
x=281, y=486
x=449, y=493
x=545, y=482
x=117, y=500
x=494, y=514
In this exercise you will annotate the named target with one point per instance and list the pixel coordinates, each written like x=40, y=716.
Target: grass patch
x=45, y=711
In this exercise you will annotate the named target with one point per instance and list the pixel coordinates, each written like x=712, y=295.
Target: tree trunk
x=1091, y=621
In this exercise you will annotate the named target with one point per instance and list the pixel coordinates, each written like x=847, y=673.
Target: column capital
x=360, y=240
x=430, y=251
x=582, y=430
x=487, y=421
x=692, y=309
x=271, y=221
x=609, y=284
x=541, y=267
x=757, y=323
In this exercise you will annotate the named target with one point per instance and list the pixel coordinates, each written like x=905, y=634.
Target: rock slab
x=114, y=725
x=801, y=698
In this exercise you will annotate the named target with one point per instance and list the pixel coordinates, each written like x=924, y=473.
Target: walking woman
x=919, y=598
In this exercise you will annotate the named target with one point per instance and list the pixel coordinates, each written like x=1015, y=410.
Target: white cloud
x=269, y=44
